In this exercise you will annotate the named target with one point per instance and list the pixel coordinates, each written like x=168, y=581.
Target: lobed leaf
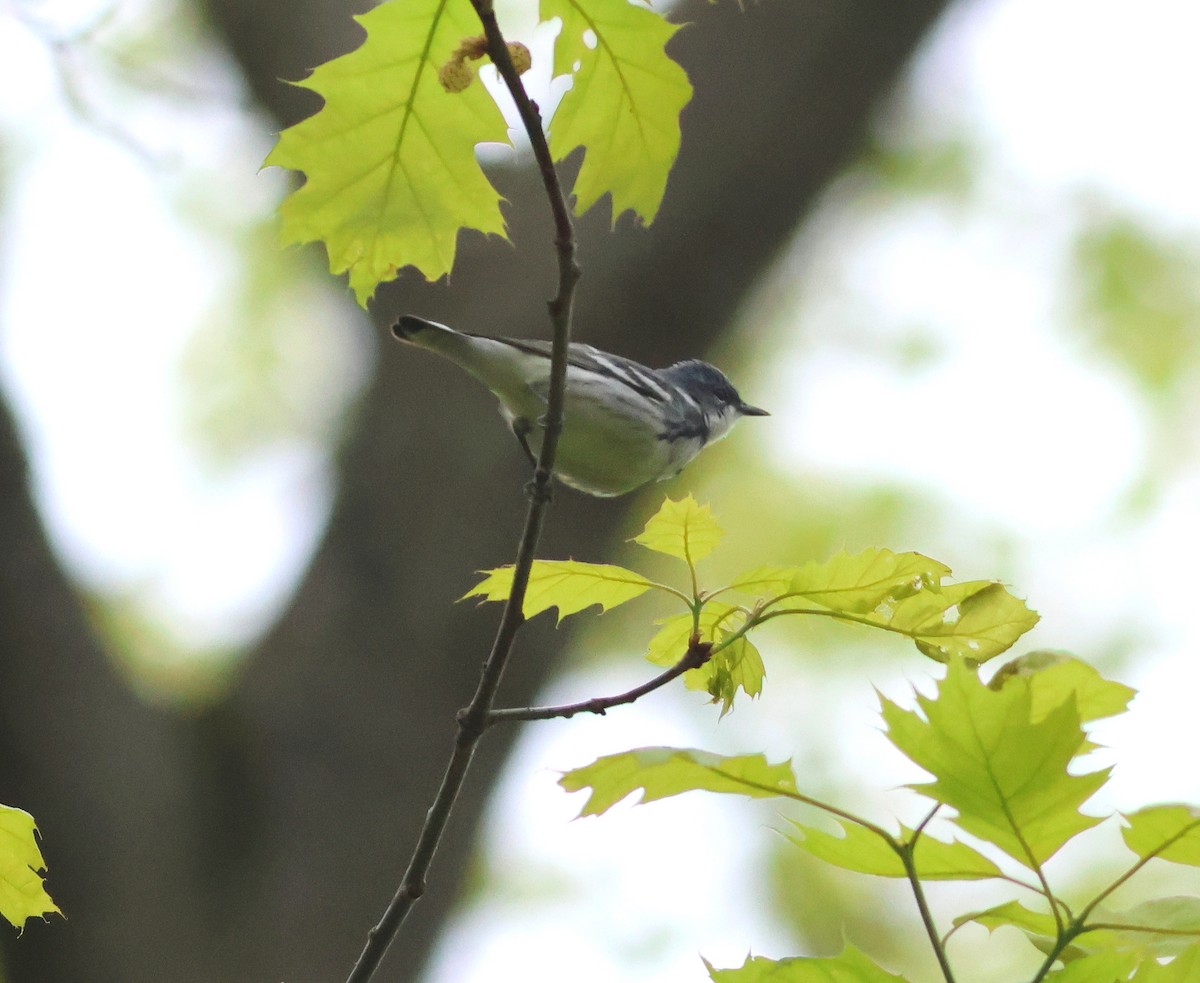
x=1004, y=772
x=851, y=966
x=1170, y=832
x=22, y=890
x=682, y=529
x=737, y=666
x=389, y=160
x=988, y=620
x=1056, y=676
x=861, y=850
x=1038, y=926
x=569, y=585
x=662, y=772
x=623, y=105
x=861, y=582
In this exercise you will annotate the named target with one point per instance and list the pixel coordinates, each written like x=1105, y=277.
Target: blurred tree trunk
x=259, y=840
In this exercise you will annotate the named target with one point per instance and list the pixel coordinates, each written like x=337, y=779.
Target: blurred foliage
x=159, y=664
x=1137, y=295
x=273, y=363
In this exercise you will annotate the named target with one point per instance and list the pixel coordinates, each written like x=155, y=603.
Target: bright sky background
x=1065, y=97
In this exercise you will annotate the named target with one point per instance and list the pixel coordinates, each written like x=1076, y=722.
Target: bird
x=624, y=425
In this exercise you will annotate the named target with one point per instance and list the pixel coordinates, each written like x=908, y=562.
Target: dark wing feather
x=643, y=381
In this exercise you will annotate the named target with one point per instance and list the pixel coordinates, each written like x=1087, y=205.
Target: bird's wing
x=624, y=371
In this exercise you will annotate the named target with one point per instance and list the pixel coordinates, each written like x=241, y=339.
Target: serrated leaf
x=682, y=529
x=623, y=105
x=988, y=620
x=22, y=890
x=860, y=582
x=851, y=966
x=765, y=581
x=865, y=852
x=1005, y=773
x=1056, y=677
x=737, y=666
x=389, y=160
x=569, y=585
x=1170, y=832
x=665, y=771
x=1039, y=926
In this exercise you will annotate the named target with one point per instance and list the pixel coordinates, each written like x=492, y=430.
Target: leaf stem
x=694, y=658
x=473, y=720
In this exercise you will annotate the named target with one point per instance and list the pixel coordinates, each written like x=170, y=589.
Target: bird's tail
x=411, y=329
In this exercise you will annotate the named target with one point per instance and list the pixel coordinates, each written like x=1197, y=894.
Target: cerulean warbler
x=623, y=424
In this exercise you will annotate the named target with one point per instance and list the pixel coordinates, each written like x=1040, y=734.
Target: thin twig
x=472, y=721
x=910, y=869
x=694, y=658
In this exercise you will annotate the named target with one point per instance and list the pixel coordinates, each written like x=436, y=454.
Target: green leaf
x=988, y=620
x=624, y=104
x=569, y=585
x=861, y=850
x=665, y=771
x=1095, y=967
x=1004, y=772
x=851, y=966
x=716, y=621
x=22, y=890
x=1184, y=968
x=765, y=581
x=737, y=666
x=1056, y=677
x=389, y=160
x=1170, y=832
x=1039, y=926
x=681, y=529
x=860, y=582
x=1154, y=929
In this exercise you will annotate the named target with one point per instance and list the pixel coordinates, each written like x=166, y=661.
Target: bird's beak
x=747, y=410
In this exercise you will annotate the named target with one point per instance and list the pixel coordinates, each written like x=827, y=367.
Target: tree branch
x=473, y=720
x=696, y=655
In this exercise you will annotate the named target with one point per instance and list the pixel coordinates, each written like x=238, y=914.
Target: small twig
x=473, y=720
x=694, y=658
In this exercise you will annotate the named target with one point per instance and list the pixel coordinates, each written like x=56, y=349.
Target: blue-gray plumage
x=623, y=424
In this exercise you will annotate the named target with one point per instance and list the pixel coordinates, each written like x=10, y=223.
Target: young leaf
x=1153, y=929
x=765, y=581
x=1039, y=927
x=851, y=966
x=737, y=666
x=671, y=641
x=1171, y=832
x=569, y=585
x=624, y=104
x=1005, y=773
x=1184, y=968
x=22, y=890
x=1056, y=676
x=861, y=850
x=1097, y=967
x=389, y=161
x=989, y=620
x=860, y=582
x=681, y=529
x=665, y=771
